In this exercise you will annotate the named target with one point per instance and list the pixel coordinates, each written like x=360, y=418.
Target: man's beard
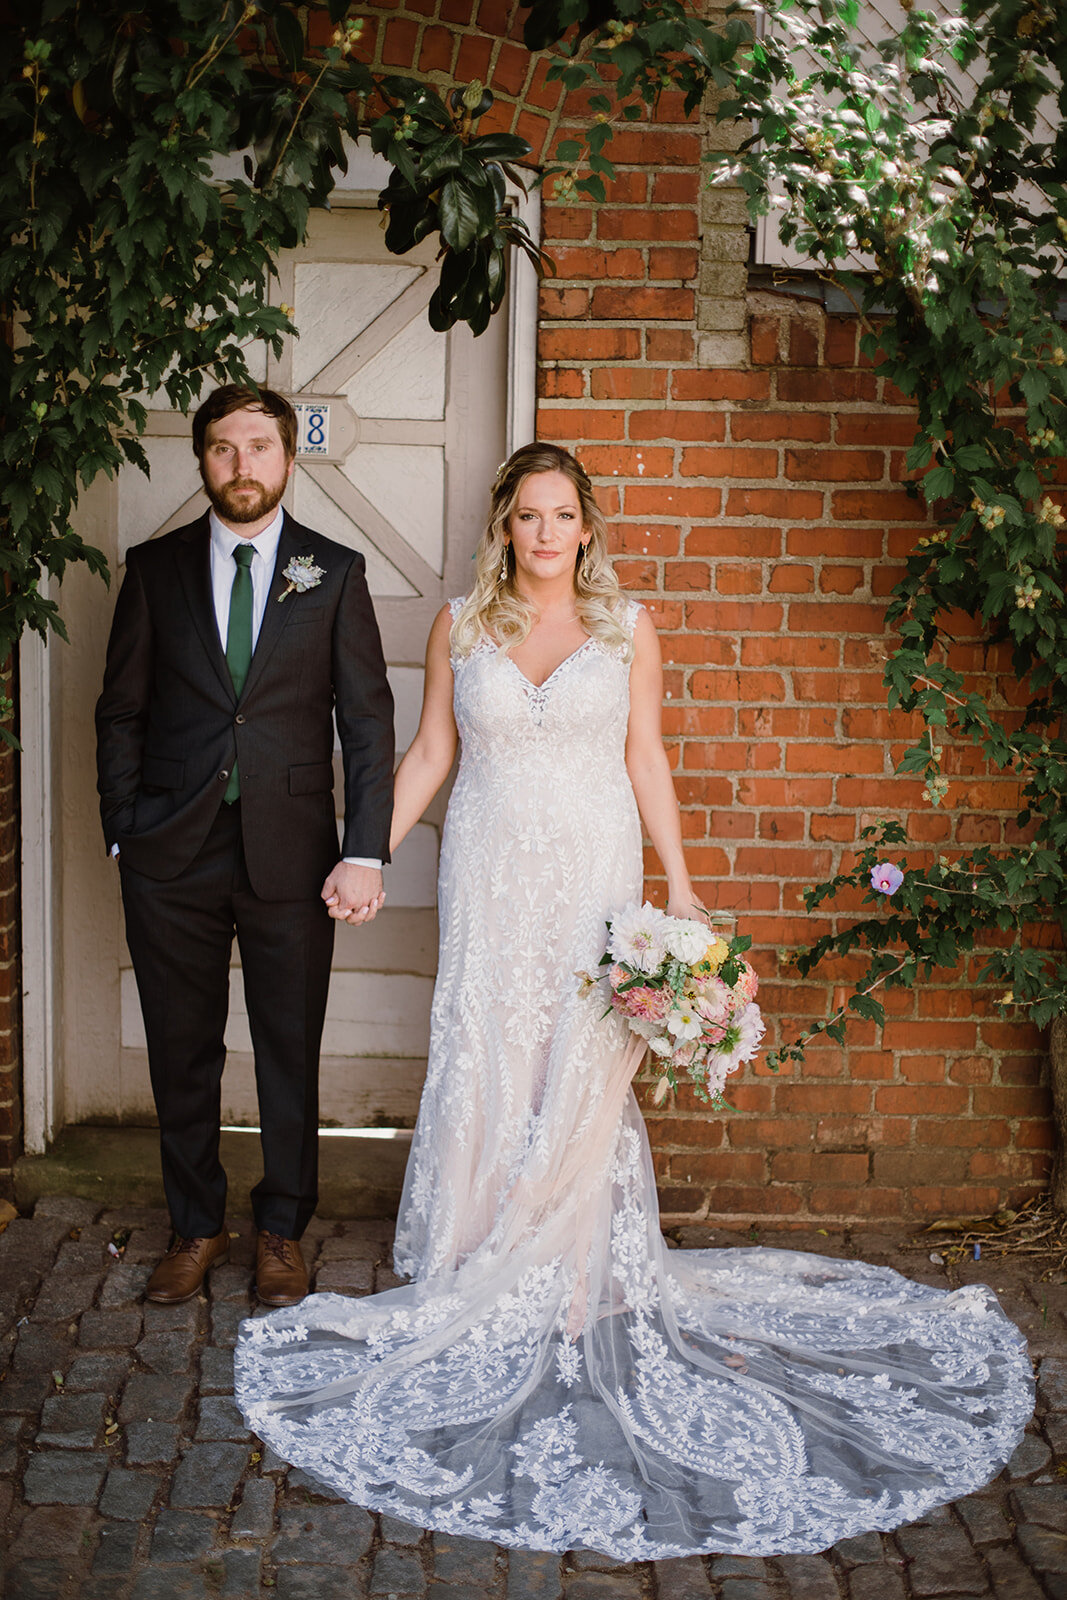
x=240, y=508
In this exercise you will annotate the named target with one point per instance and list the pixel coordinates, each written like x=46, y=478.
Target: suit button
x=239, y=719
x=223, y=776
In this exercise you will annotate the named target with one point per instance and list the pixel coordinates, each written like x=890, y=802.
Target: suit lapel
x=193, y=556
x=292, y=543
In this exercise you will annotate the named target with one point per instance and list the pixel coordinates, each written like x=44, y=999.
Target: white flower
x=751, y=1027
x=718, y=1070
x=686, y=940
x=301, y=575
x=661, y=1046
x=683, y=1022
x=750, y=1030
x=637, y=937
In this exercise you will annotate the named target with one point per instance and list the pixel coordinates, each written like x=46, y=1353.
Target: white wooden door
x=410, y=428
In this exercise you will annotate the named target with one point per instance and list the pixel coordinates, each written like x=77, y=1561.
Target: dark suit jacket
x=169, y=725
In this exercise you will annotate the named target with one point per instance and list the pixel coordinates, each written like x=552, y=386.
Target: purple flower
x=886, y=878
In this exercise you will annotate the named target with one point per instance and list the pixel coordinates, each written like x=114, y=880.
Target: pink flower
x=747, y=985
x=714, y=1033
x=714, y=1001
x=886, y=877
x=648, y=1004
x=749, y=1031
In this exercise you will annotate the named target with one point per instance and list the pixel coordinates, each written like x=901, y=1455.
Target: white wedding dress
x=554, y=1378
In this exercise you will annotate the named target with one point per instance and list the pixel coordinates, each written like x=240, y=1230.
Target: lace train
x=752, y=1401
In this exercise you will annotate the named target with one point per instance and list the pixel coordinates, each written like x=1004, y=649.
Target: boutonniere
x=301, y=574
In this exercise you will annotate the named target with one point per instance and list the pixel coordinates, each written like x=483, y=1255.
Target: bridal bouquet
x=686, y=990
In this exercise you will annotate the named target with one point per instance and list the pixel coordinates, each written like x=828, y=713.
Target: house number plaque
x=326, y=427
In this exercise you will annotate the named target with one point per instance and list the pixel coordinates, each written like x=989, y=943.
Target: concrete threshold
x=361, y=1171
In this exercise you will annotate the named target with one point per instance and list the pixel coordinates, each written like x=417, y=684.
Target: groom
x=236, y=641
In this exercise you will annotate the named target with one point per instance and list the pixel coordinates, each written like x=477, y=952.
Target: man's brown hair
x=238, y=397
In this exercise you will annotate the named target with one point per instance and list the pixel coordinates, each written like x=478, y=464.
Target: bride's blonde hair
x=494, y=609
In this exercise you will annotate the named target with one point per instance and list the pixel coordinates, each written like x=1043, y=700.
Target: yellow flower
x=712, y=959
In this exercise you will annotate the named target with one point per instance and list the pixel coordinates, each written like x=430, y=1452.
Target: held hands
x=353, y=894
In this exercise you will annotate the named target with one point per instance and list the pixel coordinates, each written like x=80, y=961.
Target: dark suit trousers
x=180, y=933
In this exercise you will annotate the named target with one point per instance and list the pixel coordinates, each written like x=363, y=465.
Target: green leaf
x=938, y=483
x=1035, y=385
x=865, y=1005
x=443, y=155
x=289, y=36
x=972, y=458
x=459, y=214
x=604, y=167
x=498, y=147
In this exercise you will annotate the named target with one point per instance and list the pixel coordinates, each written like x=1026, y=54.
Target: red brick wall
x=758, y=509
x=761, y=513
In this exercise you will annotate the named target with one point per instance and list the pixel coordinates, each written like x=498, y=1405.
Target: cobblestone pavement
x=126, y=1472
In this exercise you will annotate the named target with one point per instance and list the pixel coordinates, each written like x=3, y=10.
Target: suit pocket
x=314, y=778
x=158, y=773
x=304, y=615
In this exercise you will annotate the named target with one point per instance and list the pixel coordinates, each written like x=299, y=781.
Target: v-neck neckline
x=537, y=687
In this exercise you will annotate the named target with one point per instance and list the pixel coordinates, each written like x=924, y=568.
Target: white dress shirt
x=224, y=542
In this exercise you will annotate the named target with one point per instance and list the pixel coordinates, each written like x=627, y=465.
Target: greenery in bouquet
x=687, y=991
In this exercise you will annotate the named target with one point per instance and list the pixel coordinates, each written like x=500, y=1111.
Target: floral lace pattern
x=554, y=1378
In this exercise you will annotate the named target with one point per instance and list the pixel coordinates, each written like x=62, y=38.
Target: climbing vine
x=939, y=205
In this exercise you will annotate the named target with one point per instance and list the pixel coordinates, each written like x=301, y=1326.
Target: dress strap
x=627, y=615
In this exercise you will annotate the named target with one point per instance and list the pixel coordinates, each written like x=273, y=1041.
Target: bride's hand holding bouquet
x=686, y=990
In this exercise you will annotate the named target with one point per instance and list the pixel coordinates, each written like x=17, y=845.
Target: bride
x=553, y=1377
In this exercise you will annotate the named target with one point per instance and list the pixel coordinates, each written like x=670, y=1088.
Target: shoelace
x=186, y=1247
x=276, y=1246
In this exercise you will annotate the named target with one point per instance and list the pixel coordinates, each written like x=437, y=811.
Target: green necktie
x=239, y=640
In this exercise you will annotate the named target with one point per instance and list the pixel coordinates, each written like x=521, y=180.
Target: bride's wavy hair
x=494, y=609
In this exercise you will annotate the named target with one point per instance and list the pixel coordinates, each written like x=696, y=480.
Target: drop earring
x=503, y=578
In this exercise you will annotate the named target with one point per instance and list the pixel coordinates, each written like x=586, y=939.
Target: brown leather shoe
x=184, y=1267
x=281, y=1276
